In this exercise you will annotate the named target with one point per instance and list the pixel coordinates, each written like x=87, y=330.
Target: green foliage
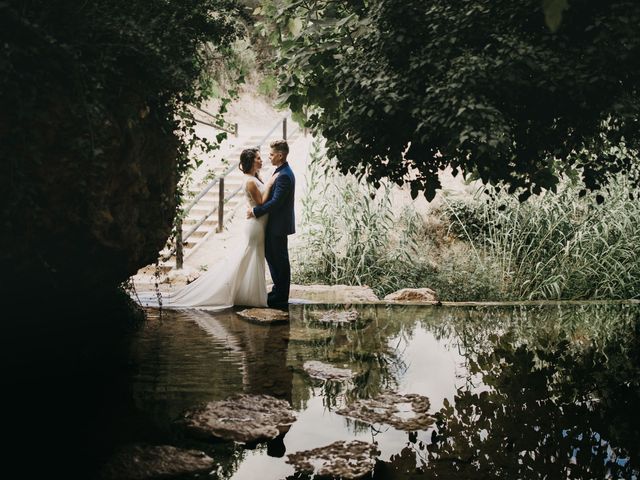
x=553, y=12
x=401, y=89
x=126, y=62
x=268, y=86
x=491, y=247
x=555, y=246
x=458, y=275
x=95, y=126
x=350, y=237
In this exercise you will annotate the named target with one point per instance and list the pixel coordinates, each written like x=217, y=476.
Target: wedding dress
x=238, y=279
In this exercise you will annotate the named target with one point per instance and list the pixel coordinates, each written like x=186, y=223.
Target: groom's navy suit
x=281, y=223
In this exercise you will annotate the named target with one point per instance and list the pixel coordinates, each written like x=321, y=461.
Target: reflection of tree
x=555, y=408
x=403, y=464
x=182, y=368
x=366, y=349
x=561, y=384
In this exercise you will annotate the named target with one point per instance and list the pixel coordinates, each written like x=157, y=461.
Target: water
x=516, y=392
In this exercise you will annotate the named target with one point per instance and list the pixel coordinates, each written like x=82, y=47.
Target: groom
x=281, y=223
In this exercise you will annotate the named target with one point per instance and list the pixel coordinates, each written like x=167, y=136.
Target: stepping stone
x=348, y=460
x=335, y=317
x=333, y=294
x=264, y=316
x=241, y=418
x=324, y=371
x=422, y=295
x=146, y=462
x=403, y=412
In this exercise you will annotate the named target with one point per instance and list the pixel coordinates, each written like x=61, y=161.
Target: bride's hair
x=247, y=157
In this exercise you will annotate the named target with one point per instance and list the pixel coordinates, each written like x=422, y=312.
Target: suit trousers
x=276, y=249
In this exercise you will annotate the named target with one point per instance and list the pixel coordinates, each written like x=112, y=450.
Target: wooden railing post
x=221, y=205
x=284, y=128
x=179, y=251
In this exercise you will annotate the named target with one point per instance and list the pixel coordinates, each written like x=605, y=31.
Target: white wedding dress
x=238, y=279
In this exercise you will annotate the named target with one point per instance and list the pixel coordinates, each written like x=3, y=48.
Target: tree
x=403, y=89
x=95, y=131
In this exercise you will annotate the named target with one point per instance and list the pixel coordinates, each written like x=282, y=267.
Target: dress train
x=238, y=279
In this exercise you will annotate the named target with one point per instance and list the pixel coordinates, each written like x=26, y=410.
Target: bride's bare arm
x=268, y=185
x=254, y=191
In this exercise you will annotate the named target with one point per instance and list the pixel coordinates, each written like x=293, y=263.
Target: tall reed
x=557, y=246
x=350, y=233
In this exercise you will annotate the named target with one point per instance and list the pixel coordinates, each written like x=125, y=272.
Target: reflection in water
x=263, y=349
x=516, y=392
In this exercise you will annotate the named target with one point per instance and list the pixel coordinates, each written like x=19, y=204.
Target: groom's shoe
x=278, y=304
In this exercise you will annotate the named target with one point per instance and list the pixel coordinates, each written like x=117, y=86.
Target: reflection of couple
x=240, y=278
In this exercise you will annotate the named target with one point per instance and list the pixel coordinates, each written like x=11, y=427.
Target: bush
x=557, y=246
x=96, y=130
x=351, y=235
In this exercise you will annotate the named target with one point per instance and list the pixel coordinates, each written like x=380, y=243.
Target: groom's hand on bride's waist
x=250, y=213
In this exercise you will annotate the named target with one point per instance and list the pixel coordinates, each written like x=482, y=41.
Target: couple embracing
x=239, y=279
x=278, y=206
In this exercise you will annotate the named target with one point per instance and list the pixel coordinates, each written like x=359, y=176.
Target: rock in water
x=324, y=371
x=333, y=294
x=242, y=418
x=146, y=462
x=264, y=315
x=335, y=317
x=404, y=412
x=348, y=460
x=425, y=295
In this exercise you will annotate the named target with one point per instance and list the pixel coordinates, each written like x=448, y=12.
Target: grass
x=557, y=246
x=350, y=233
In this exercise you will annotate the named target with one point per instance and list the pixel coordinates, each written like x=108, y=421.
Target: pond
x=515, y=392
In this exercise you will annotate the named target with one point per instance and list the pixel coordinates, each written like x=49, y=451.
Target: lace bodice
x=247, y=195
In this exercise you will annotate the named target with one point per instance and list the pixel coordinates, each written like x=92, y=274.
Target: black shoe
x=278, y=305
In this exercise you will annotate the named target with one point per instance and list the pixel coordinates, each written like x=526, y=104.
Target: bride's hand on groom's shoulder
x=272, y=180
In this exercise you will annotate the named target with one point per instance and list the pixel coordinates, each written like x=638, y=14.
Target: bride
x=239, y=279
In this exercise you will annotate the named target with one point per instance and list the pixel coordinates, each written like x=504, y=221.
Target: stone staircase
x=215, y=167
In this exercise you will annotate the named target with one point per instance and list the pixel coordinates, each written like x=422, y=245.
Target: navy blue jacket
x=279, y=205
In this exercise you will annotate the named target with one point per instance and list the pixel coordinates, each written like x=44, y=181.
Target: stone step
x=210, y=222
x=230, y=183
x=209, y=201
x=213, y=191
x=165, y=266
x=200, y=210
x=197, y=235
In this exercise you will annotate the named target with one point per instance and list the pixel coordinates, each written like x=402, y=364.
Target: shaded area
x=515, y=392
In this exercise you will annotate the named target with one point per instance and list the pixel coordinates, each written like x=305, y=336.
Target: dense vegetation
x=554, y=246
x=95, y=130
x=402, y=89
